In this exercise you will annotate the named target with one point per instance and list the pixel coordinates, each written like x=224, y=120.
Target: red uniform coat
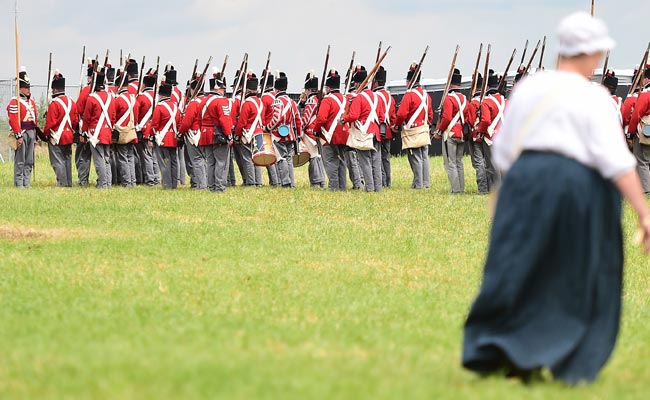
x=134, y=87
x=267, y=99
x=217, y=114
x=55, y=117
x=92, y=113
x=249, y=112
x=234, y=109
x=159, y=121
x=178, y=97
x=471, y=117
x=489, y=112
x=360, y=110
x=641, y=109
x=410, y=104
x=389, y=103
x=191, y=120
x=126, y=102
x=327, y=117
x=308, y=114
x=628, y=109
x=450, y=109
x=284, y=111
x=144, y=110
x=28, y=114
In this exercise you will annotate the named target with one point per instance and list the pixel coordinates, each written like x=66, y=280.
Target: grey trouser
x=61, y=161
x=478, y=162
x=183, y=163
x=231, y=168
x=285, y=164
x=274, y=178
x=247, y=167
x=145, y=153
x=115, y=167
x=642, y=154
x=24, y=160
x=126, y=164
x=316, y=172
x=82, y=158
x=168, y=163
x=197, y=157
x=334, y=160
x=493, y=175
x=452, y=153
x=352, y=162
x=370, y=164
x=419, y=161
x=385, y=163
x=156, y=168
x=102, y=158
x=217, y=171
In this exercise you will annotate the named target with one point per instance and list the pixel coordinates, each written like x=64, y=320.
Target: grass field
x=260, y=293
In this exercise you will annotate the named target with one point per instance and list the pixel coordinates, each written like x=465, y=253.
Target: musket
x=106, y=58
x=240, y=77
x=372, y=72
x=83, y=64
x=503, y=81
x=348, y=78
x=243, y=89
x=189, y=88
x=486, y=72
x=593, y=7
x=639, y=73
x=17, y=69
x=602, y=78
x=377, y=57
x=541, y=55
x=155, y=87
x=266, y=73
x=416, y=73
x=141, y=76
x=320, y=98
x=121, y=58
x=472, y=88
x=94, y=77
x=223, y=66
x=530, y=62
x=200, y=82
x=523, y=55
x=448, y=84
x=49, y=78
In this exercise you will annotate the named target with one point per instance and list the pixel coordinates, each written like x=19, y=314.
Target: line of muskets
x=524, y=69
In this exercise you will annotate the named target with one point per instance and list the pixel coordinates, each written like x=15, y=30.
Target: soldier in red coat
x=365, y=115
x=249, y=123
x=145, y=106
x=218, y=124
x=184, y=158
x=268, y=97
x=415, y=114
x=193, y=138
x=309, y=102
x=611, y=83
x=475, y=146
x=385, y=131
x=126, y=110
x=99, y=117
x=234, y=115
x=451, y=126
x=641, y=139
x=60, y=124
x=492, y=111
x=332, y=133
x=164, y=130
x=285, y=125
x=132, y=77
x=627, y=109
x=24, y=131
x=83, y=152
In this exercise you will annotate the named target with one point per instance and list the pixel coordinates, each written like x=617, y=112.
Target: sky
x=297, y=33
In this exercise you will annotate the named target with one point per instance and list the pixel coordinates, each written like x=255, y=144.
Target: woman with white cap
x=552, y=284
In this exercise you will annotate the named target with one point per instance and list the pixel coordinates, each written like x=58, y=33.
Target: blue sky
x=298, y=32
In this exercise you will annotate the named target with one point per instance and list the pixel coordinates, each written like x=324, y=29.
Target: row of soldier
x=136, y=138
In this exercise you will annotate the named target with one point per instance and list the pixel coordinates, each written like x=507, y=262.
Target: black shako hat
x=456, y=77
x=251, y=81
x=360, y=74
x=58, y=81
x=165, y=90
x=411, y=72
x=281, y=82
x=170, y=74
x=24, y=79
x=311, y=81
x=333, y=80
x=380, y=75
x=149, y=79
x=610, y=81
x=132, y=67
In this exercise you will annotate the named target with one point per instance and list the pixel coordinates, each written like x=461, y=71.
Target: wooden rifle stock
x=637, y=78
x=541, y=55
x=126, y=63
x=240, y=77
x=532, y=57
x=418, y=69
x=95, y=65
x=372, y=72
x=377, y=57
x=503, y=81
x=593, y=7
x=141, y=77
x=106, y=59
x=243, y=89
x=348, y=78
x=486, y=72
x=602, y=78
x=49, y=79
x=266, y=74
x=223, y=66
x=448, y=84
x=155, y=88
x=83, y=64
x=472, y=88
x=200, y=83
x=523, y=55
x=321, y=93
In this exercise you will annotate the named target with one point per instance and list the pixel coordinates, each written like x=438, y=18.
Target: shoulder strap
x=421, y=107
x=67, y=107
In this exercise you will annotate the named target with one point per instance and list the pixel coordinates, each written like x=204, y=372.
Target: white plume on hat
x=580, y=33
x=23, y=69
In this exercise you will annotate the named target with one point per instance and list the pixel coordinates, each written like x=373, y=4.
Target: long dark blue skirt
x=551, y=291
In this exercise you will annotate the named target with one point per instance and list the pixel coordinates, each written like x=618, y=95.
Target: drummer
x=248, y=125
x=284, y=125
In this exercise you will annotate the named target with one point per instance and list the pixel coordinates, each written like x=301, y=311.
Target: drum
x=283, y=131
x=263, y=150
x=302, y=157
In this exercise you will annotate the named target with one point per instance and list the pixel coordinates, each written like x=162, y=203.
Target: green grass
x=260, y=293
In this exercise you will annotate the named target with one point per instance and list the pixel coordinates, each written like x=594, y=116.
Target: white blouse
x=564, y=113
